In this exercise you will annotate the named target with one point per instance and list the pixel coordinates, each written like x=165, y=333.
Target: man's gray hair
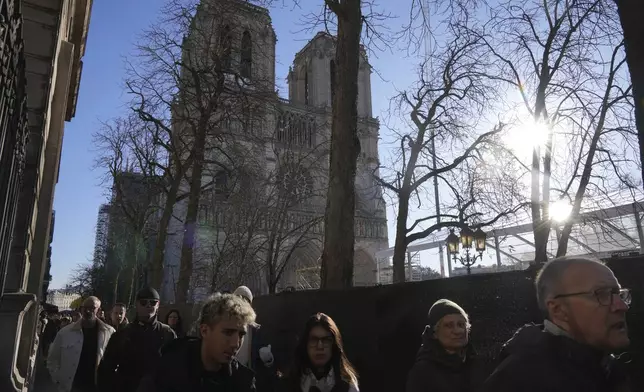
x=224, y=306
x=549, y=278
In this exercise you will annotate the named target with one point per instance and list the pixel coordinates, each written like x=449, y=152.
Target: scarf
x=325, y=384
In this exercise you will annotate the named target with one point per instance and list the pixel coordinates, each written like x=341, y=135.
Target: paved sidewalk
x=42, y=381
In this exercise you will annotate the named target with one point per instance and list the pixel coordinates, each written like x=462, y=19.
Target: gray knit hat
x=442, y=308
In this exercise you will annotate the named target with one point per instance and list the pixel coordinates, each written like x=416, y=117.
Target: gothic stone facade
x=301, y=124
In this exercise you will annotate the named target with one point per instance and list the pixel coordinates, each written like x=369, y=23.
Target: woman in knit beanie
x=445, y=360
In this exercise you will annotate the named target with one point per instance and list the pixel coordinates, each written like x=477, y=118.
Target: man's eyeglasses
x=326, y=341
x=604, y=296
x=148, y=302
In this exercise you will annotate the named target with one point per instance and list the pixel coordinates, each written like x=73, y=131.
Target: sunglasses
x=148, y=302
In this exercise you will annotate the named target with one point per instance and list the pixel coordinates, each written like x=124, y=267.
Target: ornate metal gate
x=13, y=124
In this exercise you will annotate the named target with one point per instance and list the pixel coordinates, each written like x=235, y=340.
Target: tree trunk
x=162, y=234
x=400, y=247
x=540, y=228
x=116, y=287
x=630, y=15
x=272, y=266
x=131, y=295
x=562, y=246
x=339, y=236
x=190, y=222
x=542, y=235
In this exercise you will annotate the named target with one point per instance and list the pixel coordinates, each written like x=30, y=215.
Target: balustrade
x=297, y=221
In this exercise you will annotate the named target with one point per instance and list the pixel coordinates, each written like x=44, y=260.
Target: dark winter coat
x=132, y=352
x=181, y=370
x=120, y=326
x=437, y=371
x=537, y=361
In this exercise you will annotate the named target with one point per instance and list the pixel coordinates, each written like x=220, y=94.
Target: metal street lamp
x=466, y=239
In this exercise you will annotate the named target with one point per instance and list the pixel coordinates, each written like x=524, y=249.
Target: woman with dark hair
x=173, y=319
x=319, y=364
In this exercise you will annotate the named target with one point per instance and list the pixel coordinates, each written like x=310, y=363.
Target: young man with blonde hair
x=208, y=362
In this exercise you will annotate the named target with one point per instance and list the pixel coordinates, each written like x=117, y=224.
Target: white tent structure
x=599, y=233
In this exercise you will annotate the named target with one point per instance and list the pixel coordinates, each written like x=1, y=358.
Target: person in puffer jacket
x=446, y=361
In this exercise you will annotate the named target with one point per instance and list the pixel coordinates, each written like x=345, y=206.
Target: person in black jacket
x=585, y=310
x=446, y=361
x=134, y=350
x=207, y=363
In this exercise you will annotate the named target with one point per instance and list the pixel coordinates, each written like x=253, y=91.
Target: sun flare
x=560, y=210
x=525, y=137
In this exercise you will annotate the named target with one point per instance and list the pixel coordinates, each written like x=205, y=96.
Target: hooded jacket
x=181, y=370
x=436, y=370
x=132, y=352
x=535, y=361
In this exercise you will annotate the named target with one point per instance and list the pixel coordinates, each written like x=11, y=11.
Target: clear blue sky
x=114, y=27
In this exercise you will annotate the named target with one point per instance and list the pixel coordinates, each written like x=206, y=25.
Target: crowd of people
x=574, y=349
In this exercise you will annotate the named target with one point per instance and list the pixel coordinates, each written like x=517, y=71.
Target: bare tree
x=229, y=251
x=85, y=279
x=293, y=196
x=629, y=12
x=266, y=220
x=602, y=142
x=198, y=70
x=441, y=145
x=552, y=54
x=129, y=160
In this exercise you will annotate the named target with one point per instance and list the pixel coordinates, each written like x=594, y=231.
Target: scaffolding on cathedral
x=600, y=233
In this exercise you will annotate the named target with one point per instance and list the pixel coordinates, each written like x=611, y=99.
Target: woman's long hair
x=341, y=366
x=178, y=328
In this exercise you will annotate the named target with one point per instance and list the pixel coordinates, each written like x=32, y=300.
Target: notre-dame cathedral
x=294, y=132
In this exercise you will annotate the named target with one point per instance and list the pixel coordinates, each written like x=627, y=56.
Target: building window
x=295, y=130
x=225, y=47
x=246, y=55
x=332, y=76
x=296, y=184
x=221, y=183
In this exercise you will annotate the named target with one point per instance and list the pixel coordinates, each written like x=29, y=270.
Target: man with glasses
x=134, y=350
x=77, y=350
x=585, y=324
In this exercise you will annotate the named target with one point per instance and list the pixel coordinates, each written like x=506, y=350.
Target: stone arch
x=303, y=270
x=364, y=268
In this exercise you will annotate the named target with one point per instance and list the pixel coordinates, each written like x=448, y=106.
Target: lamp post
x=466, y=239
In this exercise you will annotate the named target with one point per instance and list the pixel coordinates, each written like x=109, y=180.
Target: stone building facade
x=42, y=46
x=288, y=140
x=62, y=299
